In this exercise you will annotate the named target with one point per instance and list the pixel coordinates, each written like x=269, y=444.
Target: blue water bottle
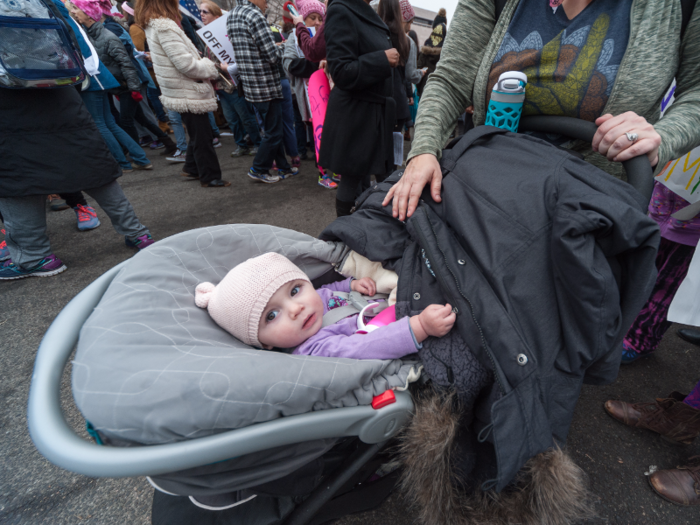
x=506, y=104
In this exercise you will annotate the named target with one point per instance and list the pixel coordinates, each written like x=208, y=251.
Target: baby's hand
x=435, y=320
x=365, y=286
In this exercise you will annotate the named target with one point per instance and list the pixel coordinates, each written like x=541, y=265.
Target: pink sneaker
x=4, y=250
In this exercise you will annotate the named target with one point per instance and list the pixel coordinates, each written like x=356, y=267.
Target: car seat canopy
x=151, y=367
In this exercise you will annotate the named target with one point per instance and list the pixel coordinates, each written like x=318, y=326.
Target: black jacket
x=357, y=133
x=547, y=261
x=114, y=56
x=49, y=143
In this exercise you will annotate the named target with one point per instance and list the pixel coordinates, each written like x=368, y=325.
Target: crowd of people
x=151, y=76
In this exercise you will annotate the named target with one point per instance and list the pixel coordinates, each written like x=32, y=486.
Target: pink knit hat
x=95, y=8
x=91, y=8
x=306, y=7
x=238, y=301
x=407, y=10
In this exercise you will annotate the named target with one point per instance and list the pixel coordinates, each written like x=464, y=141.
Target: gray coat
x=114, y=56
x=546, y=259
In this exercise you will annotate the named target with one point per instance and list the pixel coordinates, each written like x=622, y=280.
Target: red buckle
x=382, y=400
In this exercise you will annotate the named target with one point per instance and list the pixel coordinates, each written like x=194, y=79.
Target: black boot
x=343, y=208
x=170, y=146
x=690, y=335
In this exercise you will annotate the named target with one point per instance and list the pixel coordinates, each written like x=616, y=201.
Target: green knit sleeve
x=449, y=89
x=680, y=126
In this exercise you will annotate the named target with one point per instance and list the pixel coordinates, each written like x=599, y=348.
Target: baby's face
x=293, y=314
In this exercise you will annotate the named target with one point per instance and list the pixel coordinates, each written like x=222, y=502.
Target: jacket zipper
x=471, y=307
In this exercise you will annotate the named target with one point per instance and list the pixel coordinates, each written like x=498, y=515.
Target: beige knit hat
x=238, y=301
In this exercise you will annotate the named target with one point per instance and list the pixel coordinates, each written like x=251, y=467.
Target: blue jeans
x=176, y=124
x=271, y=148
x=240, y=118
x=156, y=104
x=290, y=137
x=214, y=127
x=97, y=104
x=25, y=218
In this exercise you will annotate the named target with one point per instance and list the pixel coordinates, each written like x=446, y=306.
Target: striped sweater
x=654, y=56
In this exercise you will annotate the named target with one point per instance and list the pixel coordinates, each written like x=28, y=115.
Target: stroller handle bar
x=58, y=442
x=639, y=173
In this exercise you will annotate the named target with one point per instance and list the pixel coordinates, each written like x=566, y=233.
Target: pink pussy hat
x=306, y=7
x=407, y=11
x=238, y=301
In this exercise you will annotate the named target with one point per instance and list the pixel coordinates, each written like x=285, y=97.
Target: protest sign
x=319, y=91
x=681, y=176
x=215, y=37
x=685, y=307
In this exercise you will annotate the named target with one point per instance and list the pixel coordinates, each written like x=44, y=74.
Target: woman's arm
x=181, y=56
x=348, y=70
x=449, y=89
x=679, y=128
x=446, y=94
x=314, y=49
x=117, y=51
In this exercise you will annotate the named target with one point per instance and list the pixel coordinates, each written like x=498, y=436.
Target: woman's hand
x=611, y=139
x=223, y=66
x=297, y=20
x=422, y=169
x=393, y=56
x=365, y=286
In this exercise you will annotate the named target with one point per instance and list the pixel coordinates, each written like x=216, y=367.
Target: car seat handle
x=639, y=173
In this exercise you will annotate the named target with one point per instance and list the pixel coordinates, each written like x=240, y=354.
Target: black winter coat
x=546, y=259
x=113, y=55
x=357, y=133
x=50, y=144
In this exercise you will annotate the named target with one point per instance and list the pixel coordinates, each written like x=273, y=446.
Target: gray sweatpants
x=25, y=221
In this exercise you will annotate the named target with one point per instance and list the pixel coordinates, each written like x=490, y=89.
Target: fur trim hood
x=428, y=50
x=549, y=490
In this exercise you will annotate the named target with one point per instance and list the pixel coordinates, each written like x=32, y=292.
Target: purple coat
x=340, y=340
x=665, y=203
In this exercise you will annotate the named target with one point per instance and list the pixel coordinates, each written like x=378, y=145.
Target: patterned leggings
x=672, y=262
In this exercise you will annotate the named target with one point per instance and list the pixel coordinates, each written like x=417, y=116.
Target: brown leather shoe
x=680, y=485
x=674, y=420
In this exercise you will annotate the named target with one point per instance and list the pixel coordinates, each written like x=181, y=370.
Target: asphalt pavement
x=33, y=491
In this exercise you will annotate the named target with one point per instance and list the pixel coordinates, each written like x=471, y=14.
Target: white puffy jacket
x=183, y=75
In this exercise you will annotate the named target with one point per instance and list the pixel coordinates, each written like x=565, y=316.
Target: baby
x=268, y=302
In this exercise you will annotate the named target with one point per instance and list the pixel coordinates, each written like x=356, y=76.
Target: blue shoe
x=630, y=356
x=263, y=177
x=87, y=218
x=49, y=266
x=285, y=174
x=140, y=242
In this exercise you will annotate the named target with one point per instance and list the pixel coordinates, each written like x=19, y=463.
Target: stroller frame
x=58, y=442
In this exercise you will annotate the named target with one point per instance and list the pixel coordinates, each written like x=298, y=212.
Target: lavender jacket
x=665, y=203
x=340, y=340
